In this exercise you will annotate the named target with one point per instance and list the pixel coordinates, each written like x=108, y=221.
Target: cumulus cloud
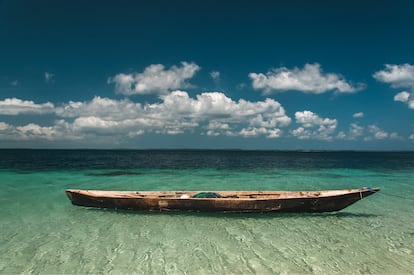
x=355, y=131
x=217, y=128
x=313, y=126
x=4, y=126
x=155, y=79
x=209, y=113
x=223, y=115
x=309, y=79
x=399, y=76
x=15, y=106
x=6, y=131
x=309, y=119
x=32, y=131
x=377, y=133
x=396, y=75
x=405, y=97
x=410, y=102
x=253, y=132
x=358, y=115
x=100, y=107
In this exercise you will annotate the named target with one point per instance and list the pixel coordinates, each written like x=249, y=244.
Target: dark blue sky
x=341, y=73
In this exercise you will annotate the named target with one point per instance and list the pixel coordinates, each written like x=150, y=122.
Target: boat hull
x=274, y=202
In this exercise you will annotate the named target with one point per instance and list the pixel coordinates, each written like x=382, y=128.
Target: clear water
x=41, y=232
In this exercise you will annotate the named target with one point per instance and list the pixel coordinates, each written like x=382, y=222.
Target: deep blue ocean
x=41, y=232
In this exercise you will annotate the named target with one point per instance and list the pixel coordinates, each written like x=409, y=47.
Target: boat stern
x=368, y=191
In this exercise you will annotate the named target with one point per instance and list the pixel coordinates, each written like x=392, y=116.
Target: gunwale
x=230, y=195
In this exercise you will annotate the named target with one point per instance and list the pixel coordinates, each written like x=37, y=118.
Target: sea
x=41, y=232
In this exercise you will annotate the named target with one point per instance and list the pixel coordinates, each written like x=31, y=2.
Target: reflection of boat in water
x=221, y=201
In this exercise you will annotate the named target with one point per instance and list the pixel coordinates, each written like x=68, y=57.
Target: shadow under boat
x=233, y=215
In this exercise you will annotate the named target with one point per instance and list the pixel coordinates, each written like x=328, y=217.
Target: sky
x=277, y=75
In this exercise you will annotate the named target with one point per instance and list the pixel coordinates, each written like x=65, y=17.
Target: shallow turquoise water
x=41, y=232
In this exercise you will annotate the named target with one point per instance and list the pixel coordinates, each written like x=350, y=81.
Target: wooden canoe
x=222, y=201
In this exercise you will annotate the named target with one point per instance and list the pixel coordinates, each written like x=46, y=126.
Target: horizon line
x=208, y=149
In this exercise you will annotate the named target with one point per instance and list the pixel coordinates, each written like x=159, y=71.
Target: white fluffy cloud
x=4, y=126
x=358, y=115
x=377, y=133
x=100, y=107
x=309, y=119
x=209, y=113
x=15, y=106
x=310, y=79
x=253, y=132
x=355, y=131
x=30, y=131
x=314, y=127
x=155, y=79
x=405, y=97
x=399, y=76
x=220, y=115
